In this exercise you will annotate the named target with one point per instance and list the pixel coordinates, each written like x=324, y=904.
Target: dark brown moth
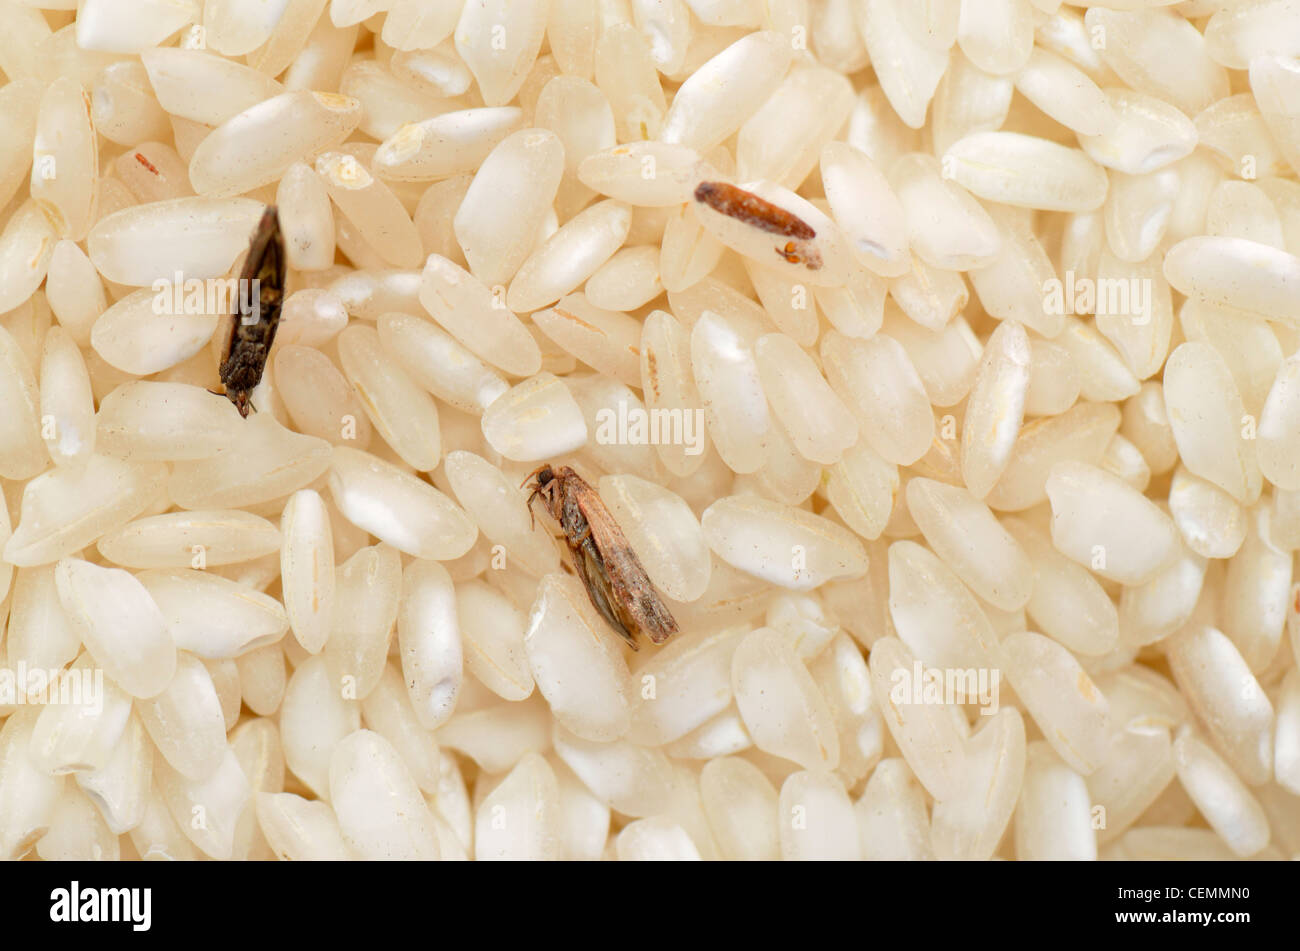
x=604, y=561
x=762, y=214
x=254, y=327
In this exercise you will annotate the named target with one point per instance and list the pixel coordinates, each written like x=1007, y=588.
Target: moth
x=254, y=328
x=609, y=569
x=762, y=214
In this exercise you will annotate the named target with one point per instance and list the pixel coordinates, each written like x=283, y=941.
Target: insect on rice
x=616, y=582
x=762, y=214
x=254, y=330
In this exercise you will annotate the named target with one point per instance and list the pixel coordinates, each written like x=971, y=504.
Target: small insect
x=762, y=214
x=747, y=207
x=254, y=327
x=604, y=561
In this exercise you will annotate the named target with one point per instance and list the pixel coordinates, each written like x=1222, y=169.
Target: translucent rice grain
x=473, y=314
x=779, y=702
x=311, y=317
x=67, y=404
x=448, y=144
x=645, y=174
x=64, y=173
x=1220, y=795
x=862, y=488
x=1256, y=593
x=968, y=827
x=689, y=252
x=969, y=100
x=742, y=808
x=1206, y=415
x=22, y=450
x=945, y=360
x=307, y=220
x=403, y=413
x=730, y=388
x=265, y=462
x=520, y=819
x=180, y=539
x=948, y=228
x=380, y=810
x=397, y=507
x=367, y=588
x=120, y=789
x=781, y=142
x=786, y=546
x=669, y=385
x=1234, y=130
x=1064, y=702
x=657, y=839
x=258, y=145
x=221, y=797
x=1053, y=382
x=73, y=291
x=498, y=222
x=818, y=422
x=1275, y=83
x=370, y=294
x=80, y=734
x=892, y=820
x=713, y=102
x=1235, y=273
x=212, y=617
x=1247, y=344
x=627, y=281
x=262, y=678
x=429, y=640
x=500, y=63
x=884, y=392
x=564, y=634
x=569, y=256
x=371, y=207
x=1279, y=428
x=192, y=84
x=633, y=780
x=492, y=631
x=1103, y=373
x=307, y=568
x=300, y=830
x=27, y=794
x=1212, y=523
x=1161, y=54
x=1022, y=170
x=965, y=534
x=926, y=733
x=1147, y=135
x=995, y=408
x=1054, y=815
x=140, y=335
x=185, y=721
x=26, y=245
x=1105, y=524
x=535, y=420
x=1219, y=686
x=319, y=399
x=604, y=339
x=65, y=510
x=934, y=614
x=1065, y=93
x=909, y=68
x=198, y=237
x=854, y=185
x=664, y=533
x=817, y=821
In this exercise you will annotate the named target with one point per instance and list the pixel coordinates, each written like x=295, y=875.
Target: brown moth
x=609, y=569
x=254, y=328
x=760, y=213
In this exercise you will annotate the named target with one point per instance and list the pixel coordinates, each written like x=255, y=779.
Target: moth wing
x=635, y=599
x=592, y=574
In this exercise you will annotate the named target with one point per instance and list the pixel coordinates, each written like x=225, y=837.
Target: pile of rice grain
x=1022, y=414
